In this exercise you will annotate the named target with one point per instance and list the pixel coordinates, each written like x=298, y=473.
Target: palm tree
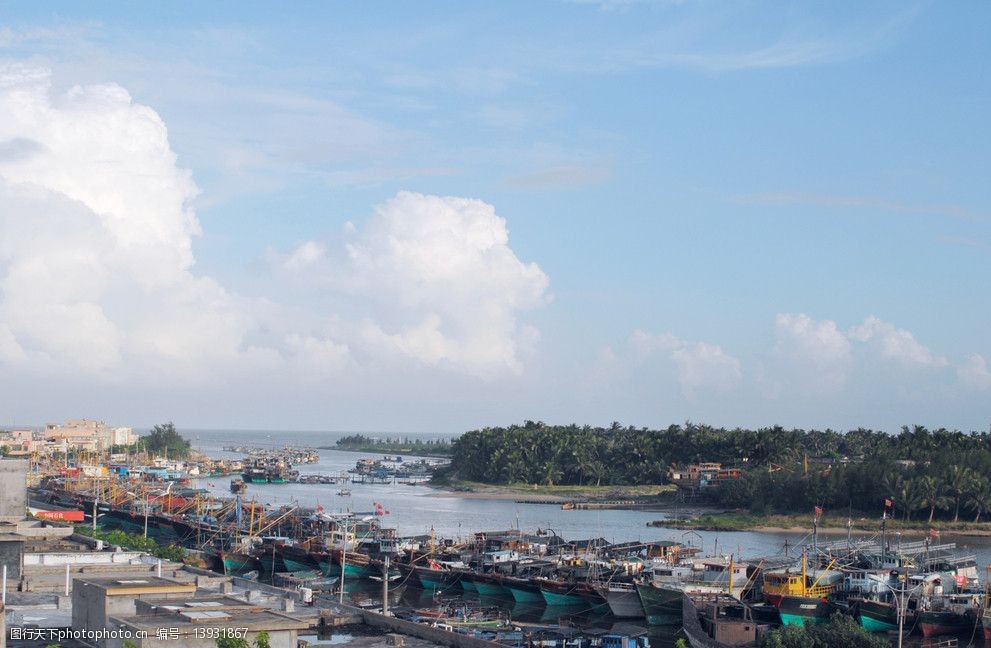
x=958, y=482
x=979, y=497
x=908, y=495
x=931, y=495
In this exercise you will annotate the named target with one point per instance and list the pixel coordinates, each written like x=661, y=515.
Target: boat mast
x=805, y=584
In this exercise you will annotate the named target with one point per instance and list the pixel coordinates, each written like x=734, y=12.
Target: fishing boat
x=950, y=614
x=344, y=493
x=300, y=557
x=877, y=605
x=877, y=615
x=435, y=575
x=313, y=579
x=663, y=596
x=237, y=563
x=523, y=590
x=718, y=622
x=563, y=593
x=805, y=610
x=810, y=604
x=486, y=584
x=255, y=473
x=623, y=599
x=238, y=486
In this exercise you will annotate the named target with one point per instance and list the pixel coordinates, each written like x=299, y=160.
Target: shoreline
x=800, y=525
x=692, y=517
x=390, y=451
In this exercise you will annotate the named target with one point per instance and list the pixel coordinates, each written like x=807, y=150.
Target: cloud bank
x=97, y=271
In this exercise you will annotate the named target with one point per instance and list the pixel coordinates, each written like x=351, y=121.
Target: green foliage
x=262, y=640
x=839, y=630
x=164, y=438
x=395, y=445
x=135, y=542
x=681, y=643
x=3, y=451
x=129, y=644
x=232, y=642
x=932, y=474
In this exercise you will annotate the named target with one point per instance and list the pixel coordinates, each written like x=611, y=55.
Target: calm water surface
x=416, y=509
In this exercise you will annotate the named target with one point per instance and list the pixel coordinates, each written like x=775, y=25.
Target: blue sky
x=738, y=213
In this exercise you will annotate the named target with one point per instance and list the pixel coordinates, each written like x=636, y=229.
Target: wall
x=277, y=639
x=13, y=489
x=10, y=555
x=58, y=558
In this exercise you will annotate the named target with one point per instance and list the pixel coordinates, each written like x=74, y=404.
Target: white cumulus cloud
x=894, y=342
x=96, y=252
x=974, y=373
x=699, y=365
x=816, y=353
x=97, y=267
x=437, y=281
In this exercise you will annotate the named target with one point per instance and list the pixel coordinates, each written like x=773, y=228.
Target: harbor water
x=421, y=509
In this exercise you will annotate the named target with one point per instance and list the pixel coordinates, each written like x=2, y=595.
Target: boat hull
x=802, y=610
x=934, y=624
x=237, y=564
x=523, y=591
x=662, y=606
x=877, y=617
x=486, y=587
x=436, y=579
x=623, y=602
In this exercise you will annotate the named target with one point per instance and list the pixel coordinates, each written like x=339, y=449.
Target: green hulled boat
x=661, y=605
x=804, y=610
x=558, y=592
x=876, y=616
x=237, y=564
x=437, y=579
x=523, y=590
x=487, y=585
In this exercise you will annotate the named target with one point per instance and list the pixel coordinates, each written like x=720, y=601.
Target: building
x=96, y=599
x=87, y=434
x=17, y=441
x=702, y=475
x=198, y=622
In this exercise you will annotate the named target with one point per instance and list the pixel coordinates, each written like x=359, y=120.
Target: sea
x=422, y=509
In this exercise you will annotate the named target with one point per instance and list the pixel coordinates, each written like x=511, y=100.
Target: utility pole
x=902, y=609
x=385, y=586
x=344, y=560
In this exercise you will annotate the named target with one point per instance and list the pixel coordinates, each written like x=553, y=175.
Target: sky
x=441, y=216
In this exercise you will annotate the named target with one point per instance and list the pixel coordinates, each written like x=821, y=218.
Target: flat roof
x=138, y=583
x=188, y=619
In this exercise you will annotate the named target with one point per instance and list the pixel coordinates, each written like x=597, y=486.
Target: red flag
x=818, y=511
x=319, y=508
x=888, y=503
x=934, y=533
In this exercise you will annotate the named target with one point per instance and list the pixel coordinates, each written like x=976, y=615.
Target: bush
x=839, y=630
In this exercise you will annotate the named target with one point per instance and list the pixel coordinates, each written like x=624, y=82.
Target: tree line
x=923, y=474
x=404, y=445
